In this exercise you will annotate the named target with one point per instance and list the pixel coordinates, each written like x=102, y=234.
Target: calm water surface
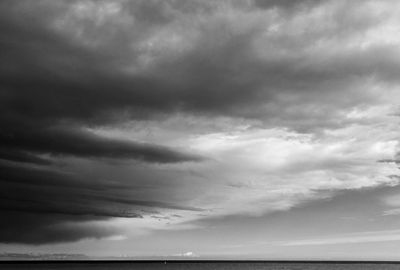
x=200, y=266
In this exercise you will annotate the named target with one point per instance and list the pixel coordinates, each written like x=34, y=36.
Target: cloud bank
x=121, y=109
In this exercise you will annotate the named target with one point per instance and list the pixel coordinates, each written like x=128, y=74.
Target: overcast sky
x=227, y=129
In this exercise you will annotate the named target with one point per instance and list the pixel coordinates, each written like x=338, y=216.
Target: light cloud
x=365, y=237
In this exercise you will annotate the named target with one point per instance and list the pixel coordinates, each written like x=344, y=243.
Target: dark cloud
x=286, y=4
x=38, y=228
x=53, y=201
x=47, y=80
x=64, y=73
x=69, y=191
x=21, y=156
x=49, y=77
x=83, y=144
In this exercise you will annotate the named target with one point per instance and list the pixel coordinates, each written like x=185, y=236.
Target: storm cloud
x=38, y=200
x=183, y=102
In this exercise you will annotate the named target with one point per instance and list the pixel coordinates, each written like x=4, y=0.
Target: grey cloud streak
x=83, y=144
x=40, y=199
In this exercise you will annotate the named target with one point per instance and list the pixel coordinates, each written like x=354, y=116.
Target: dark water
x=198, y=266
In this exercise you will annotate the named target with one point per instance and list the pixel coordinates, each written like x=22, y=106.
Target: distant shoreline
x=38, y=261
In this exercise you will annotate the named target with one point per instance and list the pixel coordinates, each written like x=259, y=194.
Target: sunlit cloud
x=364, y=237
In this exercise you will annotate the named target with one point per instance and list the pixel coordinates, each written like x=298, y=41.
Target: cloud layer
x=149, y=109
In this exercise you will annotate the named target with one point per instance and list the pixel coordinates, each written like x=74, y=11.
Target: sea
x=124, y=265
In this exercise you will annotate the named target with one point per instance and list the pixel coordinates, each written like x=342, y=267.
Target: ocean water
x=197, y=266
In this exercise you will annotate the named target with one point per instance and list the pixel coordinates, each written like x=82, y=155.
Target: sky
x=200, y=129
